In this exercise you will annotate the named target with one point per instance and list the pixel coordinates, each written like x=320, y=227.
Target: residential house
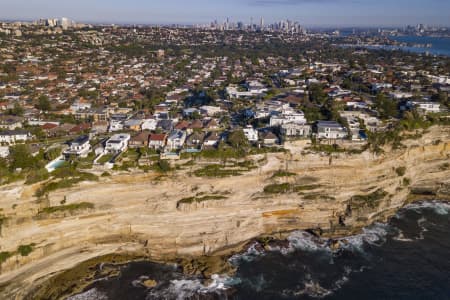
x=195, y=140
x=10, y=122
x=176, y=139
x=288, y=116
x=133, y=124
x=99, y=127
x=79, y=147
x=212, y=139
x=14, y=136
x=116, y=122
x=140, y=140
x=296, y=130
x=330, y=130
x=84, y=127
x=4, y=151
x=210, y=110
x=165, y=125
x=427, y=106
x=183, y=125
x=269, y=139
x=98, y=114
x=117, y=143
x=251, y=134
x=80, y=104
x=149, y=124
x=196, y=125
x=210, y=124
x=157, y=141
x=188, y=112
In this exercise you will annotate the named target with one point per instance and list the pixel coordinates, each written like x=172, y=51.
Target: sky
x=307, y=12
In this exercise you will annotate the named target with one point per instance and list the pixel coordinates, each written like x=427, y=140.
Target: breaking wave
x=187, y=288
x=92, y=294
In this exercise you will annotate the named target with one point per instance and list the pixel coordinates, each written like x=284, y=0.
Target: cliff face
x=140, y=214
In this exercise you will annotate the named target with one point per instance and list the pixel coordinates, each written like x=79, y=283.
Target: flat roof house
x=117, y=143
x=176, y=139
x=330, y=130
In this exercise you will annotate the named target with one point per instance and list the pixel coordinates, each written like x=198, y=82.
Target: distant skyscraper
x=262, y=23
x=65, y=23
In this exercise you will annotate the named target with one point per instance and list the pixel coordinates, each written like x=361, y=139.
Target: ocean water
x=407, y=258
x=440, y=46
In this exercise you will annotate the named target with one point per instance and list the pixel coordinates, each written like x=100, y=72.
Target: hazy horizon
x=319, y=13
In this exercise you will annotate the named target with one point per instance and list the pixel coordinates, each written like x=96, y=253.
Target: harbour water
x=407, y=258
x=439, y=45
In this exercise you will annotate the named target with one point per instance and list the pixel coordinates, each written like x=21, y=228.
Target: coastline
x=247, y=210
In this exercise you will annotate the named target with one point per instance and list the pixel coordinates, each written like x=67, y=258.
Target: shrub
x=277, y=188
x=406, y=181
x=196, y=199
x=300, y=188
x=400, y=171
x=69, y=208
x=281, y=173
x=371, y=200
x=4, y=256
x=65, y=183
x=35, y=176
x=25, y=250
x=444, y=167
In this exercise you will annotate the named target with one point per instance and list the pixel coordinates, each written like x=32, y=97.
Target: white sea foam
x=186, y=288
x=92, y=294
x=441, y=208
x=313, y=289
x=248, y=256
x=374, y=235
x=306, y=241
x=401, y=237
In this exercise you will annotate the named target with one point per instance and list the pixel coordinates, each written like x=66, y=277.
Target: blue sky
x=308, y=12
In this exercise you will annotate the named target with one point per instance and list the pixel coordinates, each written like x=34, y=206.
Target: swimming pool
x=55, y=164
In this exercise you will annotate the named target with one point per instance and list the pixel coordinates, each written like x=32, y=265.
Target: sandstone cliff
x=139, y=213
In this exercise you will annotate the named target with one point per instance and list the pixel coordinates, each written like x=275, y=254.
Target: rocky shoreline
x=77, y=279
x=136, y=217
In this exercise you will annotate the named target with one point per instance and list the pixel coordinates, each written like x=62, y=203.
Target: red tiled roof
x=157, y=137
x=48, y=126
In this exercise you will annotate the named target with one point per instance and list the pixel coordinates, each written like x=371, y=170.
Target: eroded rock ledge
x=138, y=215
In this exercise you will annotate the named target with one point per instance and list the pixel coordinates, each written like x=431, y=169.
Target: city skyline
x=307, y=12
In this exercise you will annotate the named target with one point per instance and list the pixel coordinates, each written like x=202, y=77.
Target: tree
x=387, y=108
x=22, y=158
x=17, y=110
x=237, y=139
x=443, y=98
x=43, y=103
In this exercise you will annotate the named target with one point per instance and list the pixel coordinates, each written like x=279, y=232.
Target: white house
x=330, y=130
x=287, y=116
x=78, y=147
x=13, y=136
x=294, y=129
x=210, y=110
x=80, y=105
x=149, y=124
x=431, y=107
x=401, y=95
x=251, y=134
x=117, y=122
x=117, y=143
x=253, y=88
x=4, y=151
x=176, y=139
